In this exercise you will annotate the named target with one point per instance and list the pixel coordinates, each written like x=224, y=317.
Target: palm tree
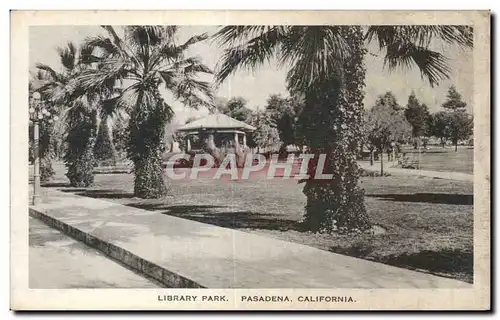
x=140, y=60
x=81, y=109
x=38, y=82
x=325, y=69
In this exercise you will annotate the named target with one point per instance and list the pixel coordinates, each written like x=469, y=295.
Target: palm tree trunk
x=79, y=156
x=334, y=109
x=149, y=181
x=145, y=142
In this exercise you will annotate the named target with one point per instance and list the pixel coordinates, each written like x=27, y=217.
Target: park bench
x=407, y=163
x=119, y=168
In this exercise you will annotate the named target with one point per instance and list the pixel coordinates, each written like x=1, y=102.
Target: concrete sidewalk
x=450, y=175
x=57, y=261
x=184, y=253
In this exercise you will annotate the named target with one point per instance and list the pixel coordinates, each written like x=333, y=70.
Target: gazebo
x=220, y=127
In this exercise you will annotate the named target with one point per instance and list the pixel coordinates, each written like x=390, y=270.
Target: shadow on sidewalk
x=442, y=198
x=442, y=262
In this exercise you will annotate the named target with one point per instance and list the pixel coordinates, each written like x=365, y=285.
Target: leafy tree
x=142, y=59
x=454, y=100
x=325, y=67
x=459, y=126
x=235, y=108
x=385, y=124
x=266, y=136
x=284, y=112
x=436, y=126
x=417, y=115
x=389, y=100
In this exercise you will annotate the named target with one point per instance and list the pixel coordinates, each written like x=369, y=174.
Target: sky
x=256, y=87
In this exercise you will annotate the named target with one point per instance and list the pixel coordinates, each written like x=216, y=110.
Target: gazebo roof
x=217, y=121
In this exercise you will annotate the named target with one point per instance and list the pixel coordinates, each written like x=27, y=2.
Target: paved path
x=184, y=253
x=57, y=261
x=451, y=175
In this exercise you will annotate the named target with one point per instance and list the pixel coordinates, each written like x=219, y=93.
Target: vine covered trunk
x=330, y=126
x=146, y=129
x=79, y=156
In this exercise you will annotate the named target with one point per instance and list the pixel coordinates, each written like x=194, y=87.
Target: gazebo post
x=237, y=143
x=188, y=144
x=244, y=140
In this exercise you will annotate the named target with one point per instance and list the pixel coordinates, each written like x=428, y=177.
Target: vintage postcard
x=250, y=160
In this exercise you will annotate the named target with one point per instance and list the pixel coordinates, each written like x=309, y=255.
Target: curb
x=144, y=267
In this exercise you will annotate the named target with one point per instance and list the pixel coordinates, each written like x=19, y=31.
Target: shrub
x=104, y=150
x=46, y=147
x=46, y=170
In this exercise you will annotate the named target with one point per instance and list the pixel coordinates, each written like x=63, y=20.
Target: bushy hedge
x=46, y=151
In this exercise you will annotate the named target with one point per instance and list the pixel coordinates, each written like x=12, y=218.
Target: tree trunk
x=331, y=125
x=381, y=163
x=79, y=155
x=149, y=181
x=146, y=132
x=456, y=146
x=372, y=151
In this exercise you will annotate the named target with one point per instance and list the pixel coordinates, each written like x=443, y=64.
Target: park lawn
x=445, y=159
x=422, y=223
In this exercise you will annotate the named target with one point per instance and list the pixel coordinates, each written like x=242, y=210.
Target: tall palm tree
x=140, y=60
x=81, y=110
x=325, y=68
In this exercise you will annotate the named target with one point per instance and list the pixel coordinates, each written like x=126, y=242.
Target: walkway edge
x=143, y=267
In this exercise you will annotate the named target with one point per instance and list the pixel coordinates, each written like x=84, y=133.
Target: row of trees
x=452, y=123
x=326, y=73
x=121, y=72
x=387, y=123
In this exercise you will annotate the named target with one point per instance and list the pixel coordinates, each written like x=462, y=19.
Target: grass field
x=422, y=223
x=445, y=159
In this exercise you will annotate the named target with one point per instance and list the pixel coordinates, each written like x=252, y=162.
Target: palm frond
x=249, y=55
x=51, y=72
x=230, y=35
x=314, y=53
x=193, y=40
x=67, y=56
x=167, y=52
x=104, y=44
x=408, y=45
x=189, y=91
x=432, y=65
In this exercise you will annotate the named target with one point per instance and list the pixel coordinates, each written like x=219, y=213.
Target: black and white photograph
x=307, y=156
